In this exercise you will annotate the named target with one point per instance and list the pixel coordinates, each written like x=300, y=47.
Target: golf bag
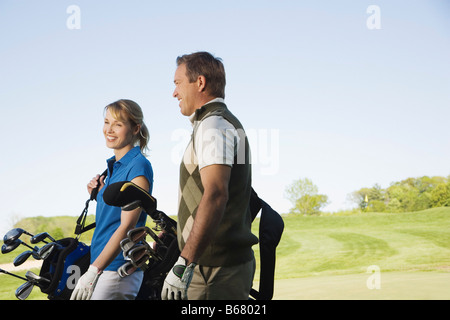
x=271, y=228
x=68, y=261
x=64, y=266
x=157, y=270
x=158, y=261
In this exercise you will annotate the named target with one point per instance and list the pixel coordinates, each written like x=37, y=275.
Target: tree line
x=411, y=194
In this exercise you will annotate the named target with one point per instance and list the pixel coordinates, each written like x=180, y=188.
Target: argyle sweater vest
x=231, y=244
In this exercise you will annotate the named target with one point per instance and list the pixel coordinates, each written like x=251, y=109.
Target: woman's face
x=118, y=134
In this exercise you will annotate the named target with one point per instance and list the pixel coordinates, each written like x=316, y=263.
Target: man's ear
x=201, y=83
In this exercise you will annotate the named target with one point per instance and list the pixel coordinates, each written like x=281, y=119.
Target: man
x=214, y=235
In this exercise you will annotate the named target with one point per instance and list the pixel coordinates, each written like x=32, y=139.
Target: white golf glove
x=177, y=281
x=86, y=284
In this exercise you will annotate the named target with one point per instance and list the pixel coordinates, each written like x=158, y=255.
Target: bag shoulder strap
x=81, y=221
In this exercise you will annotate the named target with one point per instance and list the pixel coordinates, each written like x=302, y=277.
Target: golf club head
x=14, y=234
x=153, y=253
x=35, y=279
x=126, y=244
x=45, y=251
x=130, y=247
x=40, y=237
x=24, y=290
x=139, y=255
x=11, y=245
x=128, y=268
x=8, y=247
x=139, y=234
x=21, y=258
x=35, y=254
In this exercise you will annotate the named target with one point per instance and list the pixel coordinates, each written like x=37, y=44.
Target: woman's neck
x=119, y=153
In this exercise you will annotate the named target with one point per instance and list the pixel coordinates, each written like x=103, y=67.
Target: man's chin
x=186, y=113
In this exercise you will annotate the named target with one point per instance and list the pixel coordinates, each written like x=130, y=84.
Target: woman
x=123, y=130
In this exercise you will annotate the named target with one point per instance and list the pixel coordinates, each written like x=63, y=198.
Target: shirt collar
x=192, y=116
x=126, y=158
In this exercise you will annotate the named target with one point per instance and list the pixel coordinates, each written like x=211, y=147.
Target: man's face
x=186, y=92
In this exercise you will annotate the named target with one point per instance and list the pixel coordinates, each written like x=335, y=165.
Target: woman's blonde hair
x=128, y=110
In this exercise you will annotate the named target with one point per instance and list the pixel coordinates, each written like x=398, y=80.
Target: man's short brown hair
x=205, y=64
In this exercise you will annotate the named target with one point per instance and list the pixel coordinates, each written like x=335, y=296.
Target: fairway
x=393, y=286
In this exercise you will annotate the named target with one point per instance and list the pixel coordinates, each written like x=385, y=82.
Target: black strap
x=271, y=228
x=81, y=221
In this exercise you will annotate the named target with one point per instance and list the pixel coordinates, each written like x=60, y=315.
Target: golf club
x=152, y=251
x=8, y=247
x=128, y=268
x=139, y=234
x=13, y=244
x=139, y=255
x=126, y=244
x=41, y=237
x=47, y=249
x=14, y=234
x=24, y=290
x=133, y=250
x=35, y=279
x=12, y=274
x=21, y=258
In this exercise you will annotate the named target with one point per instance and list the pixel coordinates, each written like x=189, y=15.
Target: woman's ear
x=136, y=130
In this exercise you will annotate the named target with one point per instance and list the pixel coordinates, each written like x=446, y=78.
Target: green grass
x=393, y=286
x=327, y=257
x=336, y=245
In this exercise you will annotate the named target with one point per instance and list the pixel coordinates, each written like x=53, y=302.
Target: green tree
x=415, y=194
x=440, y=196
x=360, y=198
x=394, y=206
x=370, y=199
x=304, y=196
x=411, y=194
x=405, y=194
x=376, y=206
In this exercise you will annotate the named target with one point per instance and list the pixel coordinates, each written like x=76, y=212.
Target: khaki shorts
x=222, y=283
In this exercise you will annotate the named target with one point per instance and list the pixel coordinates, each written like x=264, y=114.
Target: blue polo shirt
x=107, y=218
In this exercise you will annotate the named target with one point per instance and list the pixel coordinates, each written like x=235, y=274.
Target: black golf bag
x=157, y=270
x=129, y=196
x=271, y=228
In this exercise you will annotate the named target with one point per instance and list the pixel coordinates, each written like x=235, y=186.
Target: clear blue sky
x=321, y=95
